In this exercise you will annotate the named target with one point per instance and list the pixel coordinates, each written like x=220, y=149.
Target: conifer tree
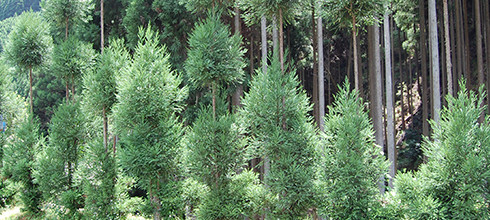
x=275, y=114
x=215, y=56
x=28, y=44
x=149, y=98
x=351, y=161
x=57, y=163
x=19, y=161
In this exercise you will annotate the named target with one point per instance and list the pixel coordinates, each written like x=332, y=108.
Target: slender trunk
x=402, y=83
x=467, y=54
x=459, y=33
x=423, y=57
x=479, y=43
x=67, y=21
x=321, y=83
x=73, y=89
x=359, y=66
x=452, y=35
x=30, y=90
x=434, y=47
x=263, y=36
x=376, y=90
x=275, y=36
x=67, y=93
x=315, y=68
x=409, y=86
x=239, y=90
x=487, y=46
x=102, y=26
x=448, y=49
x=354, y=45
x=281, y=40
x=104, y=119
x=442, y=62
x=390, y=127
x=251, y=55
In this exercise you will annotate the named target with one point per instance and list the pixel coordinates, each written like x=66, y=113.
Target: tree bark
x=448, y=49
x=487, y=46
x=354, y=45
x=479, y=44
x=459, y=34
x=281, y=40
x=423, y=57
x=263, y=36
x=275, y=36
x=434, y=47
x=316, y=108
x=402, y=83
x=390, y=127
x=30, y=90
x=102, y=26
x=321, y=90
x=376, y=91
x=239, y=90
x=467, y=54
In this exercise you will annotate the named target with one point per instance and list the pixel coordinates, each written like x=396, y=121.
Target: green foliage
x=29, y=42
x=203, y=5
x=352, y=164
x=255, y=9
x=64, y=13
x=214, y=57
x=457, y=168
x=5, y=28
x=216, y=150
x=57, y=163
x=19, y=161
x=150, y=95
x=406, y=16
x=100, y=85
x=71, y=59
x=138, y=14
x=342, y=12
x=49, y=92
x=99, y=187
x=275, y=114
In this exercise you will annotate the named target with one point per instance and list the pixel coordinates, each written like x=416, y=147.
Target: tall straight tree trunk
x=390, y=120
x=263, y=37
x=487, y=45
x=479, y=43
x=275, y=36
x=102, y=26
x=354, y=45
x=442, y=61
x=321, y=83
x=402, y=85
x=434, y=47
x=423, y=57
x=281, y=40
x=467, y=54
x=448, y=49
x=459, y=35
x=454, y=50
x=30, y=90
x=376, y=90
x=316, y=114
x=239, y=90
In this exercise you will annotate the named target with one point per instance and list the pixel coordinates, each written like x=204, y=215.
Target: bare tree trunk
x=402, y=83
x=467, y=54
x=448, y=49
x=102, y=26
x=239, y=90
x=376, y=90
x=459, y=33
x=321, y=83
x=434, y=47
x=263, y=36
x=390, y=127
x=487, y=46
x=281, y=40
x=354, y=45
x=315, y=68
x=30, y=90
x=423, y=55
x=479, y=44
x=275, y=36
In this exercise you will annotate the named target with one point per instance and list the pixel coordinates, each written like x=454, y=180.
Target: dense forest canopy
x=245, y=109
